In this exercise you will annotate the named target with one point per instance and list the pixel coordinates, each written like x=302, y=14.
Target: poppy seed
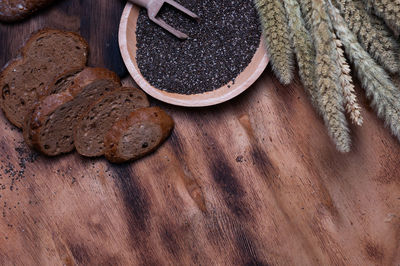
x=220, y=45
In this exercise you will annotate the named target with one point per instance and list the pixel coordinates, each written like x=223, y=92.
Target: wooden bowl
x=127, y=43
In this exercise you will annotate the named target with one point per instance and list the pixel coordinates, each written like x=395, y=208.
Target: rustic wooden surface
x=255, y=181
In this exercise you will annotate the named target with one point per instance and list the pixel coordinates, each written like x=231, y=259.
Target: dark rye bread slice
x=95, y=123
x=46, y=55
x=13, y=10
x=59, y=84
x=49, y=127
x=137, y=135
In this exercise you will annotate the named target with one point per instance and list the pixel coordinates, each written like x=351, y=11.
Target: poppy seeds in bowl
x=220, y=45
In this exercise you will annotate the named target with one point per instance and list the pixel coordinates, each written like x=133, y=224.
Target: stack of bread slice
x=61, y=104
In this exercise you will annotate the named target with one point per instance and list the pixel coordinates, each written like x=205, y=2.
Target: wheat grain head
x=384, y=96
x=303, y=47
x=275, y=27
x=346, y=81
x=377, y=41
x=327, y=79
x=389, y=10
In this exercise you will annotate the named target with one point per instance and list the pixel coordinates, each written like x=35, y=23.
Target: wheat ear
x=381, y=25
x=276, y=32
x=306, y=10
x=384, y=96
x=389, y=10
x=303, y=47
x=380, y=43
x=346, y=81
x=327, y=79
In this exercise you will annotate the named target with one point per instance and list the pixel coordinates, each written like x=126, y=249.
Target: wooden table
x=255, y=181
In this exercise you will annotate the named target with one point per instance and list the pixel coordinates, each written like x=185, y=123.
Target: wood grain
x=254, y=181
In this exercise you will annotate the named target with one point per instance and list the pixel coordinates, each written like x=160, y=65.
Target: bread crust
x=113, y=137
x=89, y=75
x=47, y=105
x=10, y=65
x=38, y=116
x=40, y=33
x=94, y=104
x=18, y=10
x=20, y=59
x=51, y=87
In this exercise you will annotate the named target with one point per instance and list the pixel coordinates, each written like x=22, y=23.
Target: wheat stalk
x=389, y=10
x=327, y=77
x=384, y=95
x=346, y=81
x=380, y=43
x=303, y=47
x=277, y=37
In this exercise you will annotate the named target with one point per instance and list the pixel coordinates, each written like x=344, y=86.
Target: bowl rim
x=193, y=100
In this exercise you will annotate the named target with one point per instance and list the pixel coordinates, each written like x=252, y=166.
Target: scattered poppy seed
x=239, y=159
x=220, y=45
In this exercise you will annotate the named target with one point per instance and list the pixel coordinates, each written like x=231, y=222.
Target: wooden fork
x=154, y=6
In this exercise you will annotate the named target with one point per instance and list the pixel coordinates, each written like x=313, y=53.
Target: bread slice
x=46, y=55
x=137, y=135
x=99, y=118
x=13, y=10
x=49, y=127
x=61, y=82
